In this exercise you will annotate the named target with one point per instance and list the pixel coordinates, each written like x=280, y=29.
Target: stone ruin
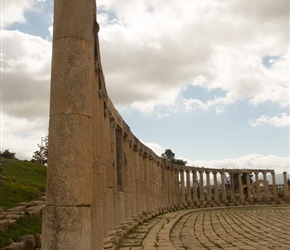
x=102, y=181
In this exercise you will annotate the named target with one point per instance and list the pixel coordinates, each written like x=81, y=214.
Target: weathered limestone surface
x=102, y=181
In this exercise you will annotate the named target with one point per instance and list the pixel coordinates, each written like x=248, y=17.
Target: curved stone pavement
x=231, y=228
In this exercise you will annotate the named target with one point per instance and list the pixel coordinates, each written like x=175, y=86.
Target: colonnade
x=101, y=179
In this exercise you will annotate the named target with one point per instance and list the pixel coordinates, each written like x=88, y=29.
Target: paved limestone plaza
x=231, y=228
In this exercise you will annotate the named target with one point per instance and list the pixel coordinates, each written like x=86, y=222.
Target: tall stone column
x=216, y=198
x=138, y=182
x=116, y=216
x=170, y=189
x=143, y=182
x=241, y=188
x=232, y=185
x=258, y=193
x=208, y=191
x=194, y=187
x=275, y=196
x=188, y=190
x=133, y=178
x=249, y=193
x=266, y=189
x=176, y=194
x=286, y=189
x=147, y=184
x=70, y=173
x=224, y=192
x=182, y=187
x=201, y=187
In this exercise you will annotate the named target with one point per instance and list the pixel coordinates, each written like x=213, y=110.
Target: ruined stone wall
x=102, y=180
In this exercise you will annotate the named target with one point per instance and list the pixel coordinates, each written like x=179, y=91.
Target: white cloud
x=13, y=11
x=25, y=74
x=282, y=121
x=167, y=46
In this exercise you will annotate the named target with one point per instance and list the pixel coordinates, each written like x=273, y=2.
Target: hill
x=20, y=181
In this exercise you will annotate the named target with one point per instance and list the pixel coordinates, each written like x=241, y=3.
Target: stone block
x=72, y=83
x=15, y=246
x=29, y=241
x=71, y=167
x=4, y=225
x=66, y=228
x=17, y=209
x=79, y=19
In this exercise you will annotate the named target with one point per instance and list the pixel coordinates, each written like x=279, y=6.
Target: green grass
x=20, y=181
x=24, y=226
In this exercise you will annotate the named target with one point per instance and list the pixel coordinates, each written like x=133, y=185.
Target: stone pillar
x=116, y=214
x=194, y=187
x=224, y=192
x=275, y=196
x=286, y=189
x=138, y=182
x=232, y=185
x=266, y=189
x=258, y=193
x=201, y=187
x=143, y=182
x=216, y=198
x=70, y=173
x=188, y=191
x=170, y=201
x=208, y=191
x=241, y=188
x=182, y=187
x=176, y=194
x=147, y=184
x=249, y=193
x=133, y=178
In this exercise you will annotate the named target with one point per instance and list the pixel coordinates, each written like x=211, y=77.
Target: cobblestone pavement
x=230, y=228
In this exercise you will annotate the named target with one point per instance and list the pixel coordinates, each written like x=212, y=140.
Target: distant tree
x=8, y=155
x=41, y=155
x=288, y=182
x=170, y=156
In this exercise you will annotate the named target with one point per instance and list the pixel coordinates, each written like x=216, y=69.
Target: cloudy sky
x=208, y=79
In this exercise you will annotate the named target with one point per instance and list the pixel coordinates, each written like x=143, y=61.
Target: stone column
x=224, y=192
x=71, y=125
x=138, y=182
x=241, y=188
x=232, y=185
x=286, y=189
x=275, y=196
x=249, y=193
x=182, y=187
x=143, y=182
x=266, y=190
x=194, y=187
x=116, y=215
x=208, y=196
x=188, y=191
x=216, y=198
x=176, y=193
x=201, y=188
x=133, y=180
x=170, y=189
x=258, y=193
x=147, y=184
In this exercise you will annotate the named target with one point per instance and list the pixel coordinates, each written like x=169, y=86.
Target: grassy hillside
x=20, y=181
